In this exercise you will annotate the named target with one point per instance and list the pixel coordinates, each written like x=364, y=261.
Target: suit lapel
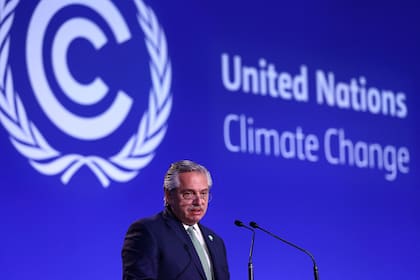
x=212, y=247
x=183, y=236
x=175, y=225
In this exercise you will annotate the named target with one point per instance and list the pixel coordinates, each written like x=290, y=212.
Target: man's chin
x=195, y=218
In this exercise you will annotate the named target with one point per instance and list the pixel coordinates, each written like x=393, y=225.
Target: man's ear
x=167, y=196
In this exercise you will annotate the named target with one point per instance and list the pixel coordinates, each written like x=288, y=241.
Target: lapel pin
x=211, y=237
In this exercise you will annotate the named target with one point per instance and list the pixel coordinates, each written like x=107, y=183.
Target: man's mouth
x=196, y=211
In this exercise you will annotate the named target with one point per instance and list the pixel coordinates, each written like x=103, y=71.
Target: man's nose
x=197, y=199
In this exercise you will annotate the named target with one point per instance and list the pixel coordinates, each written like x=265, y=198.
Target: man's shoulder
x=155, y=221
x=149, y=220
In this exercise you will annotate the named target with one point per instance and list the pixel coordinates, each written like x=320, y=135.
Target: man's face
x=190, y=200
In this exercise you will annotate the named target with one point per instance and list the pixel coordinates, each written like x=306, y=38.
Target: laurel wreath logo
x=136, y=153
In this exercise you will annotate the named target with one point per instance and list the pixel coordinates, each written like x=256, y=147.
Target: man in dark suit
x=173, y=244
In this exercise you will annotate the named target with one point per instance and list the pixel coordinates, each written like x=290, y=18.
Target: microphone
x=315, y=268
x=251, y=250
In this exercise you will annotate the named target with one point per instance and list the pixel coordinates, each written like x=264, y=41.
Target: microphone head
x=239, y=223
x=254, y=224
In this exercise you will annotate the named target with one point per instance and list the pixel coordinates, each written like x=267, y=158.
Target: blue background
x=357, y=224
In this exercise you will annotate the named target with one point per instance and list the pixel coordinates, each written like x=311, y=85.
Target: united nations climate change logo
x=30, y=141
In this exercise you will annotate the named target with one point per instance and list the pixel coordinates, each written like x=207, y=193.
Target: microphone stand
x=251, y=250
x=315, y=267
x=250, y=265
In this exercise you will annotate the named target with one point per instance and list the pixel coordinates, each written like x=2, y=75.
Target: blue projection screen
x=305, y=112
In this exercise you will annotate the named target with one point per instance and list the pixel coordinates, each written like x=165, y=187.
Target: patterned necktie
x=200, y=251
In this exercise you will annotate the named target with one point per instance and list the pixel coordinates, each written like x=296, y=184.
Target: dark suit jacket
x=159, y=248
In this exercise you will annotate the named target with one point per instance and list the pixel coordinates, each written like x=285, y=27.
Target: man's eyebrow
x=187, y=189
